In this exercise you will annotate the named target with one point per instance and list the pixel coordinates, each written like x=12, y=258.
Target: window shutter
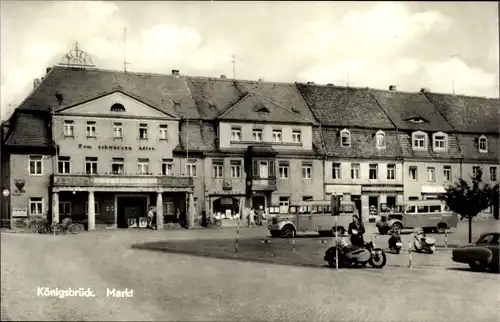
x=271, y=169
x=255, y=169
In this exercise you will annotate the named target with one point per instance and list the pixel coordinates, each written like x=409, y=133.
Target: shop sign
x=382, y=188
x=132, y=223
x=117, y=147
x=226, y=185
x=19, y=187
x=84, y=146
x=143, y=222
x=19, y=212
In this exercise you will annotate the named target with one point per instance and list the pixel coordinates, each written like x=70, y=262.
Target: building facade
x=104, y=146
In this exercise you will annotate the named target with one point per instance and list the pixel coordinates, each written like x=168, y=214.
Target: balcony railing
x=82, y=180
x=264, y=184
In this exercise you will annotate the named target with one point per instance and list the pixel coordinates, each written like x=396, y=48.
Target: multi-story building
x=429, y=146
x=104, y=145
x=475, y=122
x=363, y=161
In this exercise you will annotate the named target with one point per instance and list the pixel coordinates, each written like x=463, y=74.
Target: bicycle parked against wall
x=213, y=222
x=58, y=228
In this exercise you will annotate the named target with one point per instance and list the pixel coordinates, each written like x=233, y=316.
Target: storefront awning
x=343, y=188
x=433, y=189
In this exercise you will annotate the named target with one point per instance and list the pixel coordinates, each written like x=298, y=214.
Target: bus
x=312, y=216
x=430, y=215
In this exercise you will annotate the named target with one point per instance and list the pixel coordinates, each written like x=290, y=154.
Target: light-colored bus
x=312, y=216
x=429, y=215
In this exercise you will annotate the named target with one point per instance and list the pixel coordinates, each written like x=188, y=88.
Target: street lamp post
x=5, y=195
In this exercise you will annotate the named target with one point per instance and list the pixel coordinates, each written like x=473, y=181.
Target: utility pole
x=125, y=50
x=234, y=66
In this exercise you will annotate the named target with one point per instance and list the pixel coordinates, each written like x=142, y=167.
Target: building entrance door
x=130, y=210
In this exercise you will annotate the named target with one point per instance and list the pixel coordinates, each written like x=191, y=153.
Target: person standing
x=151, y=215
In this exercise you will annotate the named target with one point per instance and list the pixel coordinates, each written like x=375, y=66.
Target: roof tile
x=29, y=130
x=341, y=106
x=470, y=147
x=468, y=113
x=362, y=144
x=401, y=106
x=453, y=152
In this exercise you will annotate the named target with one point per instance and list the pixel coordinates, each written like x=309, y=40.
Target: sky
x=437, y=45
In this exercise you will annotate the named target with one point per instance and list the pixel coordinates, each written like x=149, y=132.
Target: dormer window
x=419, y=140
x=416, y=120
x=483, y=144
x=117, y=108
x=439, y=141
x=380, y=139
x=345, y=138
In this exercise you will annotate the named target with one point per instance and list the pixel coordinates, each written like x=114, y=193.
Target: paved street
x=181, y=287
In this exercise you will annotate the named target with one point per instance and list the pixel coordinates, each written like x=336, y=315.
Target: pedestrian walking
x=151, y=215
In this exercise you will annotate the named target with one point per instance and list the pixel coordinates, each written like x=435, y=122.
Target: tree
x=495, y=201
x=468, y=200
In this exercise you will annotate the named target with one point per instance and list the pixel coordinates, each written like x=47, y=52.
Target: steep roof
x=468, y=113
x=401, y=107
x=362, y=144
x=469, y=143
x=74, y=85
x=29, y=130
x=453, y=151
x=341, y=106
x=196, y=136
x=253, y=107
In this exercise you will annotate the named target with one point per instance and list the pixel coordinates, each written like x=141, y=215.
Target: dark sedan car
x=481, y=255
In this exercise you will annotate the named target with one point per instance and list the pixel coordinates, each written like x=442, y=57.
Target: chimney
x=175, y=72
x=223, y=76
x=424, y=90
x=59, y=98
x=36, y=83
x=393, y=88
x=310, y=83
x=47, y=70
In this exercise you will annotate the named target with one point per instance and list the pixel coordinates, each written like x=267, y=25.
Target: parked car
x=481, y=255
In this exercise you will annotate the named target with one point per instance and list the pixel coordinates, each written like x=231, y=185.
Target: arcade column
x=91, y=211
x=159, y=210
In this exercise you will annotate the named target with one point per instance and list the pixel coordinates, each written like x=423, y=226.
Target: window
x=117, y=130
x=65, y=208
x=431, y=174
x=419, y=139
x=217, y=168
x=447, y=172
x=354, y=170
x=235, y=169
x=284, y=204
x=439, y=141
x=413, y=173
x=169, y=208
x=36, y=206
x=257, y=135
x=143, y=131
x=69, y=128
x=306, y=171
x=411, y=209
x=422, y=209
x=380, y=139
x=96, y=208
x=117, y=108
x=277, y=136
x=345, y=138
x=167, y=167
x=283, y=168
x=493, y=173
x=297, y=137
x=191, y=168
x=36, y=165
x=475, y=170
x=435, y=208
x=483, y=144
x=336, y=171
x=391, y=171
x=163, y=132
x=143, y=166
x=63, y=164
x=235, y=134
x=90, y=129
x=117, y=166
x=91, y=165
x=373, y=172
